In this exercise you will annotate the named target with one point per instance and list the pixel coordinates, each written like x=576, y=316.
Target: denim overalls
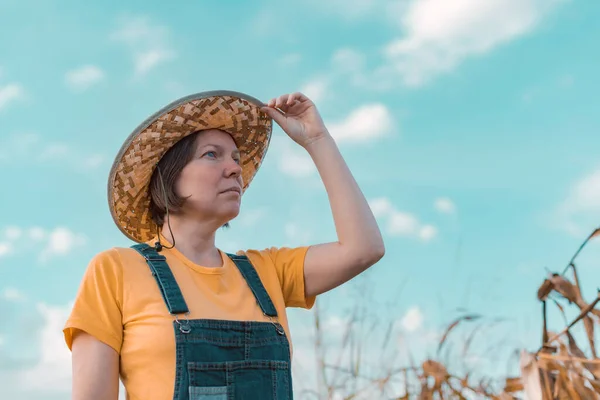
x=218, y=359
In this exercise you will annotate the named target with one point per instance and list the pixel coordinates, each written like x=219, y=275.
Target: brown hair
x=170, y=166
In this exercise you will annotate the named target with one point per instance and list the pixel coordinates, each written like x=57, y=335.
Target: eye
x=212, y=154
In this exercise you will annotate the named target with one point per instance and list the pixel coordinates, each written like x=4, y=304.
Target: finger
x=275, y=114
x=299, y=96
x=281, y=100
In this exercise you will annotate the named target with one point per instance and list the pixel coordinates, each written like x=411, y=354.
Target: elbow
x=378, y=252
x=371, y=254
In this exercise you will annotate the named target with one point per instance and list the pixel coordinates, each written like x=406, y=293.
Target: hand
x=297, y=115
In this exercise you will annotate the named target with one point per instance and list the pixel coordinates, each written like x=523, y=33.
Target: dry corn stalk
x=560, y=369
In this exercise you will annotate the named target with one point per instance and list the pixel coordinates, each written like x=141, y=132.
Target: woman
x=173, y=316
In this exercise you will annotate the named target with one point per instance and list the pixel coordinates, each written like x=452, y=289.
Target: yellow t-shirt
x=119, y=302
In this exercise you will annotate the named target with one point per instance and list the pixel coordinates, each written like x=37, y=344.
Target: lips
x=233, y=189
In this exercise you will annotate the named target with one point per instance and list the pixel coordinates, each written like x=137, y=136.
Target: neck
x=194, y=239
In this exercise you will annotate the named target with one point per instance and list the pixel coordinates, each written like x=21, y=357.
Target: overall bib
x=220, y=359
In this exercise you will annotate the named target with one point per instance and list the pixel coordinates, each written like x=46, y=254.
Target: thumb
x=274, y=113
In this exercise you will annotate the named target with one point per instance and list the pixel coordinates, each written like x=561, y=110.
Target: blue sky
x=471, y=127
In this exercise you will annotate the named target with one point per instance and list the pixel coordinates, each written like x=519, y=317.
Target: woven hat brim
x=235, y=113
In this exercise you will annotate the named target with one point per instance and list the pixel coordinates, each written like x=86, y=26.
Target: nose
x=233, y=169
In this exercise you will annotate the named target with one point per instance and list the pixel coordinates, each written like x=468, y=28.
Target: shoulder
x=113, y=259
x=113, y=255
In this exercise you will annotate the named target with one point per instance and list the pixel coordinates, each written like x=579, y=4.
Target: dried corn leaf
x=530, y=376
x=437, y=371
x=593, y=368
x=595, y=384
x=457, y=394
x=434, y=368
x=545, y=289
x=454, y=325
x=563, y=286
x=426, y=393
x=573, y=348
x=582, y=390
x=562, y=311
x=504, y=396
x=513, y=385
x=567, y=388
x=464, y=382
x=588, y=322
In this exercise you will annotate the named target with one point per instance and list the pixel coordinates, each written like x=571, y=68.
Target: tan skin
x=206, y=179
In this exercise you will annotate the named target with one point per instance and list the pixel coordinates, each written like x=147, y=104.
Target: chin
x=230, y=214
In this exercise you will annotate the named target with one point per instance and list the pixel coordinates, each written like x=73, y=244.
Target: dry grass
x=559, y=369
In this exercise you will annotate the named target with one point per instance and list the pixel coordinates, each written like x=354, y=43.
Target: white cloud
x=316, y=89
x=13, y=232
x=296, y=164
x=336, y=324
x=84, y=77
x=427, y=232
x=145, y=61
x=401, y=223
x=10, y=93
x=437, y=35
x=292, y=160
x=36, y=233
x=412, y=320
x=368, y=122
x=252, y=217
x=23, y=147
x=441, y=34
x=381, y=206
x=52, y=373
x=93, y=161
x=585, y=194
x=347, y=60
x=579, y=213
x=347, y=65
x=5, y=248
x=50, y=377
x=54, y=151
x=296, y=234
x=148, y=42
x=57, y=242
x=12, y=294
x=445, y=205
x=265, y=22
x=61, y=241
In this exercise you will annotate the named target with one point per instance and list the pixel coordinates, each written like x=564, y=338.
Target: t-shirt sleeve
x=97, y=308
x=289, y=265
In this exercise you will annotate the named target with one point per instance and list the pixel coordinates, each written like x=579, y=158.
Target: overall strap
x=164, y=277
x=249, y=273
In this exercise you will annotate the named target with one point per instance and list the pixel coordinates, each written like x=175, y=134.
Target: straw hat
x=129, y=178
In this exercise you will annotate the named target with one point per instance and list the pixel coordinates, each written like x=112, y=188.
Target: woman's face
x=212, y=180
